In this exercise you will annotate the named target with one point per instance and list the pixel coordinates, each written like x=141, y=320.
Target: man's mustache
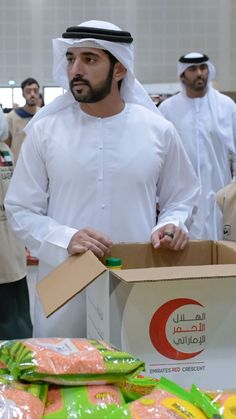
x=200, y=78
x=79, y=79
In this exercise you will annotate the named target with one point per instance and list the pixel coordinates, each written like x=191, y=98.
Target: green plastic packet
x=161, y=403
x=135, y=387
x=194, y=396
x=226, y=399
x=175, y=389
x=3, y=369
x=20, y=399
x=211, y=408
x=67, y=361
x=82, y=402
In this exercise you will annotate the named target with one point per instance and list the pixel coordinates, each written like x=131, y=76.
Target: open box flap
x=67, y=280
x=226, y=252
x=176, y=273
x=143, y=255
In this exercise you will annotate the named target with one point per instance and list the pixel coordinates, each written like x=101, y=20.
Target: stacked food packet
x=57, y=378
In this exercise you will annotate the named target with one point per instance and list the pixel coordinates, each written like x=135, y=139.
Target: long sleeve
x=26, y=206
x=3, y=126
x=178, y=186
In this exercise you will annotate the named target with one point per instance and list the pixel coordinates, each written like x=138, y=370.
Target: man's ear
x=119, y=71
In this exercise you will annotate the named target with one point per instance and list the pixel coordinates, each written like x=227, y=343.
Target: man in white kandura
x=93, y=162
x=206, y=122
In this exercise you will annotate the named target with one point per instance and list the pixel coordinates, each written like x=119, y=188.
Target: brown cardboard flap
x=69, y=278
x=175, y=273
x=143, y=255
x=226, y=252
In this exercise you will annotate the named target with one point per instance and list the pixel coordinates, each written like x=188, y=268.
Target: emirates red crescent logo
x=157, y=329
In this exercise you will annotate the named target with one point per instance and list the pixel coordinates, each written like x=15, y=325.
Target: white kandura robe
x=207, y=127
x=77, y=171
x=3, y=126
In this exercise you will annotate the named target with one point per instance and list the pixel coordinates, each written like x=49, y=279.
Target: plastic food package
x=227, y=402
x=135, y=387
x=68, y=361
x=159, y=404
x=3, y=368
x=198, y=398
x=82, y=402
x=216, y=404
x=21, y=400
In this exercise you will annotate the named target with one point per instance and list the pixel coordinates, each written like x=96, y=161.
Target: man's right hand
x=89, y=239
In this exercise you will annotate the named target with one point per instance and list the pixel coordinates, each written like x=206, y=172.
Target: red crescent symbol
x=157, y=329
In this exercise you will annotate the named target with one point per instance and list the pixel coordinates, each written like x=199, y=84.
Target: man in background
x=206, y=122
x=15, y=321
x=19, y=117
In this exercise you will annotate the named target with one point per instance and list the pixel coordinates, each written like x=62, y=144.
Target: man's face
x=90, y=74
x=195, y=77
x=31, y=94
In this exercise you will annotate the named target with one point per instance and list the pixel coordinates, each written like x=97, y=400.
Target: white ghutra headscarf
x=131, y=90
x=195, y=58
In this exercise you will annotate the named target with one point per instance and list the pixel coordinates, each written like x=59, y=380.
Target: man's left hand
x=169, y=236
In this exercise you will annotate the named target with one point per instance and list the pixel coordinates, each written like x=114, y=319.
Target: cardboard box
x=175, y=310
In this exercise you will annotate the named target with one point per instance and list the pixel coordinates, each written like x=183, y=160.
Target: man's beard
x=199, y=88
x=94, y=93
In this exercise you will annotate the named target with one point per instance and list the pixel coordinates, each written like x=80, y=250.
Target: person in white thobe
x=206, y=122
x=93, y=162
x=15, y=321
x=3, y=126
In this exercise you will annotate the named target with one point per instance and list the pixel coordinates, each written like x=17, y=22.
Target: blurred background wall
x=162, y=30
